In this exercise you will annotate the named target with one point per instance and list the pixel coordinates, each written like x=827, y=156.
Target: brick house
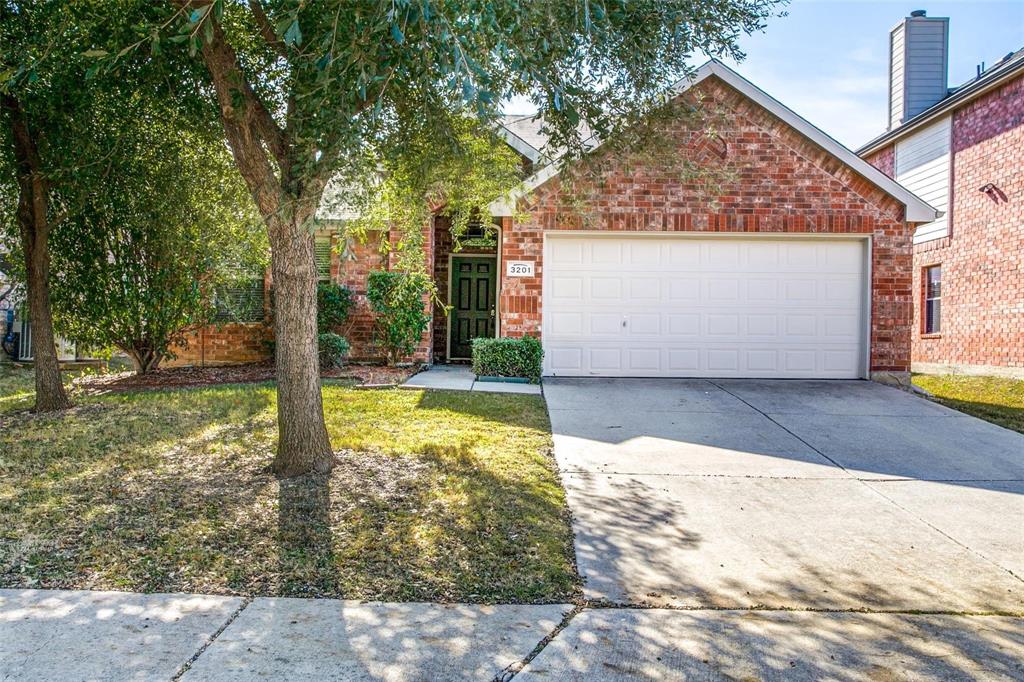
x=962, y=150
x=799, y=266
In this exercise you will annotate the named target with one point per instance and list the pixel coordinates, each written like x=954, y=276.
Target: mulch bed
x=183, y=377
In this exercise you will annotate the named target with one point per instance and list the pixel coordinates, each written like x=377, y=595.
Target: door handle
x=492, y=312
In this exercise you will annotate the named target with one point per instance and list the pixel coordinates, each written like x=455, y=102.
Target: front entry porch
x=466, y=277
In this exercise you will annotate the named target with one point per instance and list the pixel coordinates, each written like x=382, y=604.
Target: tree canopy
x=333, y=91
x=139, y=262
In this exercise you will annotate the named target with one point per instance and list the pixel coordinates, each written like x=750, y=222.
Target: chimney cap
x=919, y=13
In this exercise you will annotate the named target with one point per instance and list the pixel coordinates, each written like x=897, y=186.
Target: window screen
x=933, y=299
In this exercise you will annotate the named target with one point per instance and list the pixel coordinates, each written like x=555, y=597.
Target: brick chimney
x=918, y=65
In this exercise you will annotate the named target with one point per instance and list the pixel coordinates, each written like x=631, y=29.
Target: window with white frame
x=933, y=299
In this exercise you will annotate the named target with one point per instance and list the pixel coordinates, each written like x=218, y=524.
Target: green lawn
x=1000, y=401
x=16, y=389
x=436, y=496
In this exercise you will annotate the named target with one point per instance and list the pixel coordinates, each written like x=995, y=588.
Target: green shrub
x=333, y=304
x=333, y=349
x=399, y=301
x=508, y=357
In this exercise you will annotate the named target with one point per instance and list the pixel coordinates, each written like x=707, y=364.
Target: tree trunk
x=302, y=445
x=50, y=394
x=34, y=225
x=145, y=360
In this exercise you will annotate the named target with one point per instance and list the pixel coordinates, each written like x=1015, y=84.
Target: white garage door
x=641, y=306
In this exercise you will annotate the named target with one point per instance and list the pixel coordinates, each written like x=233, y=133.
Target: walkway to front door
x=472, y=299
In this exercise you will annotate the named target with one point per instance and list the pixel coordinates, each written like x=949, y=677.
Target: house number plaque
x=519, y=268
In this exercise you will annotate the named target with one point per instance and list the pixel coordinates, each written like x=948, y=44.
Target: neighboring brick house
x=799, y=266
x=962, y=150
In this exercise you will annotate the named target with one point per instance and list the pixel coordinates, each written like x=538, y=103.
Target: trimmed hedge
x=333, y=304
x=333, y=350
x=507, y=357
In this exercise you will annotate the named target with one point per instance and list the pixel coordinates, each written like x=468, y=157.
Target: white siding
x=922, y=166
x=896, y=39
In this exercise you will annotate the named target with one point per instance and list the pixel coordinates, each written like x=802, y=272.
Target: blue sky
x=828, y=60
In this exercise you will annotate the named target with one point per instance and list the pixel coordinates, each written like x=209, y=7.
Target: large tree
x=314, y=91
x=47, y=133
x=138, y=264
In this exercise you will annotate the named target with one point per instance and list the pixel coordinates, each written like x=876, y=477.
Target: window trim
x=925, y=299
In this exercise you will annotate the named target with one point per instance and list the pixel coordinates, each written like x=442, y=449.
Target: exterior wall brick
x=982, y=258
x=785, y=184
x=228, y=344
x=351, y=264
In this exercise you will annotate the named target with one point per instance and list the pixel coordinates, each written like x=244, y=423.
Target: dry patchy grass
x=436, y=496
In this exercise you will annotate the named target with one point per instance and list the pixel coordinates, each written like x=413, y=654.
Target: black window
x=933, y=299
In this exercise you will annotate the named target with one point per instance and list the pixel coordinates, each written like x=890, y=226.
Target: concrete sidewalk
x=461, y=378
x=80, y=635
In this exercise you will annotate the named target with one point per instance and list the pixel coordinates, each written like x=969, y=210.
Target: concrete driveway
x=826, y=495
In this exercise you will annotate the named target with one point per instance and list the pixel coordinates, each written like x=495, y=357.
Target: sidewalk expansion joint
x=515, y=668
x=212, y=638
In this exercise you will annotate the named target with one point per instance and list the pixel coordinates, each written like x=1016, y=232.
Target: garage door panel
x=643, y=324
x=605, y=359
x=723, y=289
x=722, y=325
x=604, y=324
x=567, y=289
x=605, y=288
x=684, y=254
x=683, y=289
x=722, y=255
x=685, y=306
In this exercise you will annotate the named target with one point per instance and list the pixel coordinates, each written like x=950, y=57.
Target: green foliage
x=421, y=175
x=508, y=357
x=98, y=134
x=169, y=227
x=333, y=304
x=333, y=349
x=395, y=103
x=399, y=300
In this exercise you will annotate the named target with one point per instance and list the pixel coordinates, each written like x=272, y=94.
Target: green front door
x=472, y=302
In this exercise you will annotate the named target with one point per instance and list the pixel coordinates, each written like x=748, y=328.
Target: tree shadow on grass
x=171, y=492
x=443, y=525
x=126, y=492
x=307, y=563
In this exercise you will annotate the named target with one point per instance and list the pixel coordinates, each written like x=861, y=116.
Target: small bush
x=333, y=350
x=399, y=301
x=508, y=358
x=333, y=304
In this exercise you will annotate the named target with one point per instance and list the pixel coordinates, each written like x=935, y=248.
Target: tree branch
x=222, y=61
x=250, y=129
x=266, y=30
